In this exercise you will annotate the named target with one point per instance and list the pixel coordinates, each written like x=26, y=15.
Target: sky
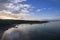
x=32, y=9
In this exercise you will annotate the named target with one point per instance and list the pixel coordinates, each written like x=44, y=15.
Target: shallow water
x=46, y=31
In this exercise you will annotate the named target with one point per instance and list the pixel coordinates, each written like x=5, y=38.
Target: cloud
x=21, y=13
x=24, y=6
x=3, y=1
x=47, y=8
x=18, y=7
x=2, y=7
x=11, y=7
x=38, y=10
x=7, y=6
x=3, y=4
x=43, y=9
x=16, y=1
x=24, y=13
x=4, y=11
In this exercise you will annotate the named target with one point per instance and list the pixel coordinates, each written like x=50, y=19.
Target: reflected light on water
x=48, y=31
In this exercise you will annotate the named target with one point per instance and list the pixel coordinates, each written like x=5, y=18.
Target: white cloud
x=24, y=13
x=27, y=6
x=9, y=7
x=20, y=9
x=38, y=10
x=4, y=11
x=3, y=3
x=16, y=1
x=12, y=7
x=47, y=8
x=17, y=7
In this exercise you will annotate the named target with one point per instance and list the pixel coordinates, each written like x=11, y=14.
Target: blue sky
x=50, y=9
x=33, y=9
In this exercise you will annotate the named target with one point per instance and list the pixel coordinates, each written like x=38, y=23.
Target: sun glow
x=4, y=17
x=9, y=16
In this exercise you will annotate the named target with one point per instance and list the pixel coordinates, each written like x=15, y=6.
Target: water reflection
x=48, y=31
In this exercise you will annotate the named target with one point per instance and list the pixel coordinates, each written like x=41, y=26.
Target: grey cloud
x=3, y=1
x=15, y=12
x=2, y=7
x=2, y=4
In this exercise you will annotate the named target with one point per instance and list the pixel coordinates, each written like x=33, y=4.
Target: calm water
x=46, y=31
